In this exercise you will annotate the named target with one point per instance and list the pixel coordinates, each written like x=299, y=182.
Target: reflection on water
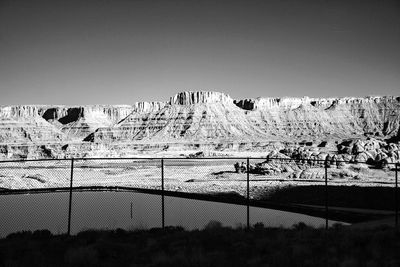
x=128, y=210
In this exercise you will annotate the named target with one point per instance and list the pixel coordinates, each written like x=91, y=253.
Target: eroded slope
x=193, y=120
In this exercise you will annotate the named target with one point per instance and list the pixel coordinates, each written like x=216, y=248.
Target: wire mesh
x=278, y=218
x=290, y=183
x=136, y=196
x=197, y=214
x=21, y=212
x=215, y=177
x=114, y=209
x=132, y=173
x=204, y=176
x=363, y=187
x=126, y=210
x=34, y=174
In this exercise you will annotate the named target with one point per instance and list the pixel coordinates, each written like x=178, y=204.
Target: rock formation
x=209, y=121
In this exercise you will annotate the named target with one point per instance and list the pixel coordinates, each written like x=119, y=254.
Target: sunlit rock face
x=325, y=117
x=188, y=116
x=191, y=98
x=23, y=124
x=188, y=120
x=78, y=122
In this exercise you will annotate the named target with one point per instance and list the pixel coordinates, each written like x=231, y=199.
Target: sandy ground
x=186, y=175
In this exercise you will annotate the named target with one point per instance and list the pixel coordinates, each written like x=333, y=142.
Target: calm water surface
x=129, y=210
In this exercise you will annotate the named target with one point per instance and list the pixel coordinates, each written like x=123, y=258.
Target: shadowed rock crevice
x=73, y=114
x=246, y=104
x=89, y=138
x=50, y=114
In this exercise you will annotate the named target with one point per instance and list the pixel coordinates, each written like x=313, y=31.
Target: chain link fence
x=68, y=196
x=205, y=181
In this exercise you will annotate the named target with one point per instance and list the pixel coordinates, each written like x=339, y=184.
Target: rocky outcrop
x=148, y=107
x=371, y=150
x=24, y=112
x=200, y=97
x=210, y=119
x=300, y=160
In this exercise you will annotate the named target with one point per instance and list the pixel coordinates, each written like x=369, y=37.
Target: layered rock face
x=193, y=119
x=333, y=118
x=187, y=117
x=191, y=98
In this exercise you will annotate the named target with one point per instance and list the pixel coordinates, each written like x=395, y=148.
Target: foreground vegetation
x=213, y=246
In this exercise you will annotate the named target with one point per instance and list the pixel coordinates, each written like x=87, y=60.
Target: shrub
x=211, y=225
x=300, y=226
x=20, y=234
x=259, y=226
x=42, y=234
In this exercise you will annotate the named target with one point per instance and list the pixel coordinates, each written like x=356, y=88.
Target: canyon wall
x=192, y=119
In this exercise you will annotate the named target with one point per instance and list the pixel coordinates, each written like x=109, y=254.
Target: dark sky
x=123, y=51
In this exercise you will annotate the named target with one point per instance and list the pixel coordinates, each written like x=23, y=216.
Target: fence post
x=162, y=195
x=396, y=197
x=248, y=193
x=326, y=195
x=70, y=197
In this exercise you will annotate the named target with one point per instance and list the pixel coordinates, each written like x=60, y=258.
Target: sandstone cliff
x=193, y=119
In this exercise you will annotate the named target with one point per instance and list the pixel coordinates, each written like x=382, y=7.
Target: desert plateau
x=204, y=138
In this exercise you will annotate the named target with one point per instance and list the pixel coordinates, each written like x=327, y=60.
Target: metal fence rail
x=198, y=179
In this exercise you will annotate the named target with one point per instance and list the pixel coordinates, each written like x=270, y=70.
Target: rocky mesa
x=210, y=122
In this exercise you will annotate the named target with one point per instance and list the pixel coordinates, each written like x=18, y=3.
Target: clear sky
x=77, y=52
